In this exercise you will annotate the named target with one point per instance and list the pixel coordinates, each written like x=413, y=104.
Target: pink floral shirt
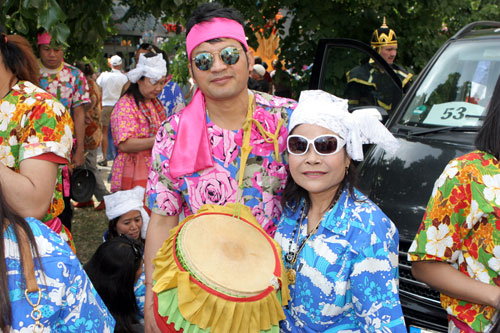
x=264, y=178
x=127, y=121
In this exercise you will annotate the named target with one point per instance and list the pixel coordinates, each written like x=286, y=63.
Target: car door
x=335, y=61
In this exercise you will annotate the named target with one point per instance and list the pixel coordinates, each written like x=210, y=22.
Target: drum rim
x=264, y=293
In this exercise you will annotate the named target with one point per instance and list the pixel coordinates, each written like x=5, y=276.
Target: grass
x=88, y=226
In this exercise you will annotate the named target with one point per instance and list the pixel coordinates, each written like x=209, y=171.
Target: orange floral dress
x=462, y=227
x=34, y=123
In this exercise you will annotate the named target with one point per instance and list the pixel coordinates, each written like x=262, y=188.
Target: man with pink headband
x=69, y=86
x=196, y=157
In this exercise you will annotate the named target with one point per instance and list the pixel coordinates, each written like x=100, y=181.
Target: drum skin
x=227, y=254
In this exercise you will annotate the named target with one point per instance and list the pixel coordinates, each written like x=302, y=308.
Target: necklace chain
x=292, y=256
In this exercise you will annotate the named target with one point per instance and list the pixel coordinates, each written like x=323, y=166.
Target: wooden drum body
x=219, y=273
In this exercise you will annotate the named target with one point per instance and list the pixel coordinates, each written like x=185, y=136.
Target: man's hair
x=208, y=11
x=488, y=138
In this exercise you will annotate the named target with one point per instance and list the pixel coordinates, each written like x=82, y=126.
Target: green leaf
x=21, y=27
x=60, y=33
x=50, y=15
x=30, y=14
x=33, y=3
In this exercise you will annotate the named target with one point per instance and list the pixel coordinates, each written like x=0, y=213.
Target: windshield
x=458, y=88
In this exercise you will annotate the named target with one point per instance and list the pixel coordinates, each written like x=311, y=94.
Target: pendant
x=290, y=273
x=289, y=257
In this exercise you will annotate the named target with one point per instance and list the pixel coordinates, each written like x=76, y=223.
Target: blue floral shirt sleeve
x=69, y=302
x=140, y=293
x=172, y=98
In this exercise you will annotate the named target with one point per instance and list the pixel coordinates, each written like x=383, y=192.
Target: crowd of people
x=240, y=144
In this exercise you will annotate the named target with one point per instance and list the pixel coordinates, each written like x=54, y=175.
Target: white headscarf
x=122, y=202
x=155, y=68
x=317, y=107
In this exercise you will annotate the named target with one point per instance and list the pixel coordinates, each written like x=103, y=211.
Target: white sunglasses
x=323, y=145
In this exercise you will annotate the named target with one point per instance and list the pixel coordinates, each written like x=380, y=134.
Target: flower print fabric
x=68, y=85
x=172, y=98
x=347, y=272
x=140, y=293
x=127, y=121
x=33, y=123
x=69, y=302
x=461, y=227
x=264, y=178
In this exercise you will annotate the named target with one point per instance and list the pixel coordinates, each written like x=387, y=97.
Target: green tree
x=84, y=25
x=418, y=24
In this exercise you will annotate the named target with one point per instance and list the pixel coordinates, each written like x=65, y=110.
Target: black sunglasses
x=229, y=55
x=323, y=145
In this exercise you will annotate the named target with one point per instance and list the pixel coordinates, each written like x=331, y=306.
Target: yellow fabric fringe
x=210, y=311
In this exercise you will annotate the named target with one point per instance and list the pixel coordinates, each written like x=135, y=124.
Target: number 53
x=458, y=113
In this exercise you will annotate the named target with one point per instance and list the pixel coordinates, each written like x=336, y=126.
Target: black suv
x=435, y=121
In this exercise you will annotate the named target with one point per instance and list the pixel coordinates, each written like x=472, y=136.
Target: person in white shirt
x=111, y=83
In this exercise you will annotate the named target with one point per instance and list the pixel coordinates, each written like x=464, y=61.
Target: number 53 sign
x=455, y=114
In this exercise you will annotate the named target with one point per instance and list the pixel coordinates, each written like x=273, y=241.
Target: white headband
x=317, y=107
x=122, y=202
x=155, y=68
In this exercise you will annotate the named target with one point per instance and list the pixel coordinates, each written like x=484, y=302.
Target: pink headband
x=216, y=28
x=44, y=38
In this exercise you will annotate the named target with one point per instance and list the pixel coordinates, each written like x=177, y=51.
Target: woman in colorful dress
x=35, y=137
x=135, y=120
x=42, y=278
x=457, y=247
x=93, y=136
x=340, y=250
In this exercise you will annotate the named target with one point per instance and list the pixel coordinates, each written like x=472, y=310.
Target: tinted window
x=340, y=62
x=458, y=87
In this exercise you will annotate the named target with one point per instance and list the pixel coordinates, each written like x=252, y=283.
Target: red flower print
x=460, y=197
x=49, y=132
x=466, y=313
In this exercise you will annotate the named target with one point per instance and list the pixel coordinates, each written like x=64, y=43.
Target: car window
x=350, y=73
x=457, y=89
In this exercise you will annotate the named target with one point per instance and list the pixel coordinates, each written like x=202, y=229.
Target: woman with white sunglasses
x=340, y=250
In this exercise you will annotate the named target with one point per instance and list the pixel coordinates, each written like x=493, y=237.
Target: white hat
x=115, y=60
x=317, y=107
x=122, y=202
x=154, y=67
x=259, y=69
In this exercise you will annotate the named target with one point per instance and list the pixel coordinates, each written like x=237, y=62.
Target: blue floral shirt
x=69, y=301
x=347, y=272
x=172, y=98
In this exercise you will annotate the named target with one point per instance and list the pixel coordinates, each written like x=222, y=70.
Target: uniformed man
x=367, y=84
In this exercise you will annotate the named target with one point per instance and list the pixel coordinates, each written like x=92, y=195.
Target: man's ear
x=191, y=72
x=251, y=59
